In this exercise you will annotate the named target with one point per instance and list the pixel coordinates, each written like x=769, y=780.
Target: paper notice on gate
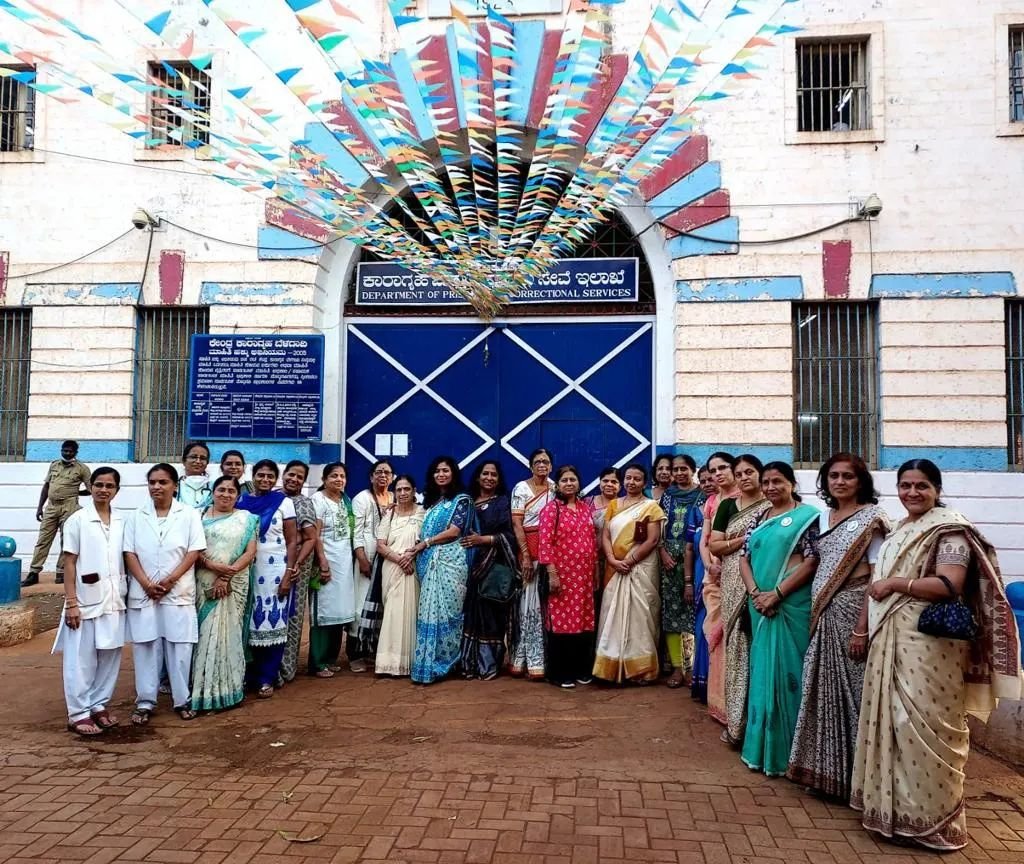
x=382, y=445
x=399, y=445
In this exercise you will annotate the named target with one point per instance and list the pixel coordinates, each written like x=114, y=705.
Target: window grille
x=15, y=353
x=164, y=342
x=832, y=85
x=1017, y=74
x=17, y=109
x=1015, y=382
x=179, y=112
x=835, y=381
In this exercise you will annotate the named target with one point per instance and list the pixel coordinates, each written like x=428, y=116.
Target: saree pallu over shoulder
x=627, y=643
x=848, y=541
x=918, y=689
x=826, y=729
x=993, y=669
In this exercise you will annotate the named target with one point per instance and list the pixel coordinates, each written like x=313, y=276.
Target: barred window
x=1017, y=74
x=164, y=344
x=15, y=355
x=835, y=379
x=832, y=85
x=17, y=109
x=1015, y=382
x=179, y=112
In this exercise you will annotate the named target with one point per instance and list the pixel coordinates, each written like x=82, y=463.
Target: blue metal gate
x=474, y=390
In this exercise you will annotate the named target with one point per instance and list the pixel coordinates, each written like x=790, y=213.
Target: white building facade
x=775, y=313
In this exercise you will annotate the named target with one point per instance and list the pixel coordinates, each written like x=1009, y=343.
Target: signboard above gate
x=572, y=280
x=256, y=388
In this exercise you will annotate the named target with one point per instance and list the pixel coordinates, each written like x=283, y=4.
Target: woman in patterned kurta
x=568, y=549
x=676, y=592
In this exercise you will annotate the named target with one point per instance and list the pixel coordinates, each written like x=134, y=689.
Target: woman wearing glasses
x=370, y=505
x=529, y=498
x=195, y=490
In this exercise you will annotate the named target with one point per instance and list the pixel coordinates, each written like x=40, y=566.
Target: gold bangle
x=861, y=635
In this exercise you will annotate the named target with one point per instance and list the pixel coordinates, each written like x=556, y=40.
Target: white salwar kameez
x=163, y=630
x=92, y=652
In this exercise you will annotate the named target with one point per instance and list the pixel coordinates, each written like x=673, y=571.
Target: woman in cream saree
x=627, y=641
x=913, y=740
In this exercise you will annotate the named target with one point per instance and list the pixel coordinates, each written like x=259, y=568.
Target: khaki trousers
x=55, y=514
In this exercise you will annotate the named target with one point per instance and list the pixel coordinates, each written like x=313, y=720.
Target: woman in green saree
x=222, y=596
x=777, y=566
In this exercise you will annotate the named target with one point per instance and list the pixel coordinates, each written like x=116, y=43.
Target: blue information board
x=256, y=388
x=571, y=280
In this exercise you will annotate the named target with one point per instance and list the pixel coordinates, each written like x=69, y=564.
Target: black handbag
x=951, y=619
x=500, y=584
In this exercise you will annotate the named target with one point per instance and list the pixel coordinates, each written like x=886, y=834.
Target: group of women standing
x=801, y=629
x=820, y=665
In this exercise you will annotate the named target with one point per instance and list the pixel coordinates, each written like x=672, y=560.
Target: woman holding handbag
x=493, y=580
x=568, y=550
x=943, y=642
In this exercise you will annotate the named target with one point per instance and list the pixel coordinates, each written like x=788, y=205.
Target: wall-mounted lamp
x=871, y=208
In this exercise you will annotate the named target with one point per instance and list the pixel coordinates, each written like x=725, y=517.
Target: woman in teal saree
x=778, y=564
x=222, y=598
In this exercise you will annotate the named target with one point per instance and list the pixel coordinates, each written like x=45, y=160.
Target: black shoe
x=59, y=579
x=30, y=580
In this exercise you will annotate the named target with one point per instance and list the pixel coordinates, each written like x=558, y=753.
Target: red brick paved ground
x=370, y=770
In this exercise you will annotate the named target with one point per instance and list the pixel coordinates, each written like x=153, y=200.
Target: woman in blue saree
x=777, y=565
x=442, y=566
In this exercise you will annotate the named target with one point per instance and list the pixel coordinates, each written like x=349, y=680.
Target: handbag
x=500, y=584
x=951, y=619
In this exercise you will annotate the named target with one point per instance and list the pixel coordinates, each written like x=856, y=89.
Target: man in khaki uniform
x=64, y=483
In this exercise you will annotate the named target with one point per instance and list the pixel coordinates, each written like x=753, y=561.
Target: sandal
x=267, y=691
x=140, y=716
x=86, y=727
x=325, y=673
x=186, y=713
x=675, y=680
x=104, y=720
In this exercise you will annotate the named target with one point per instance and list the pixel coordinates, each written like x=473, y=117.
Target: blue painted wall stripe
x=705, y=179
x=93, y=453
x=948, y=458
x=411, y=93
x=939, y=285
x=277, y=244
x=718, y=238
x=764, y=452
x=732, y=290
x=339, y=159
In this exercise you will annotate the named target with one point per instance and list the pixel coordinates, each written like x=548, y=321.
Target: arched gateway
x=579, y=378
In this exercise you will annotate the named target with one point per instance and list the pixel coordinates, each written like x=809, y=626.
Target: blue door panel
x=495, y=386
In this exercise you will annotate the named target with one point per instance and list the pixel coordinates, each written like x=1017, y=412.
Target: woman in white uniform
x=91, y=632
x=162, y=540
